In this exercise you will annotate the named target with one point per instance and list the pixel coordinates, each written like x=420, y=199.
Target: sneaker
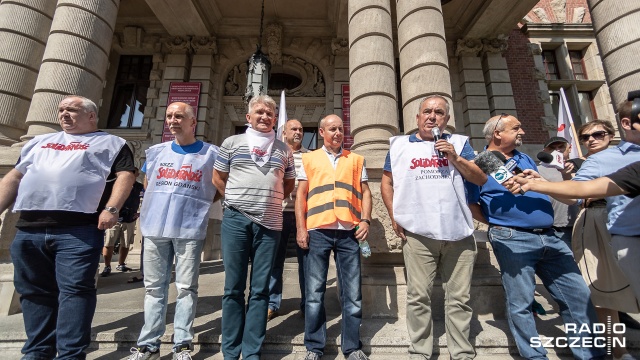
x=357, y=355
x=123, y=267
x=311, y=356
x=272, y=314
x=106, y=271
x=142, y=353
x=182, y=352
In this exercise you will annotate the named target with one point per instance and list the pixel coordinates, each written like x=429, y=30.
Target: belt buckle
x=538, y=231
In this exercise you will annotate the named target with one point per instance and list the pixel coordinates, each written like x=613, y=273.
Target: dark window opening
x=550, y=64
x=281, y=81
x=577, y=64
x=130, y=92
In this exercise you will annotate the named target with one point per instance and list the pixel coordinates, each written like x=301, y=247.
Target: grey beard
x=518, y=142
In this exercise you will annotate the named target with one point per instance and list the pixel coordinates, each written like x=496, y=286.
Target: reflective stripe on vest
x=333, y=194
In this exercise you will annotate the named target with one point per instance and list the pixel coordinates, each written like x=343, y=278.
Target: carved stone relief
x=468, y=47
x=578, y=15
x=542, y=15
x=312, y=84
x=204, y=45
x=178, y=44
x=340, y=47
x=495, y=45
x=274, y=43
x=534, y=49
x=559, y=8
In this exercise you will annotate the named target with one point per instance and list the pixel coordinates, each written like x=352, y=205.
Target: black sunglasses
x=598, y=135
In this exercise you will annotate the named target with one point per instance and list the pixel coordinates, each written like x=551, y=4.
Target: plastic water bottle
x=365, y=250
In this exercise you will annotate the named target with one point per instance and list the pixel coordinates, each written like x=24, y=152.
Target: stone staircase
x=119, y=317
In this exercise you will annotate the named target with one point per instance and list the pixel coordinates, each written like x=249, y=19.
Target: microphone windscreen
x=488, y=162
x=545, y=157
x=435, y=132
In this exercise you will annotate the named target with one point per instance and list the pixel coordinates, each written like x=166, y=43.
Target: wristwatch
x=111, y=209
x=366, y=221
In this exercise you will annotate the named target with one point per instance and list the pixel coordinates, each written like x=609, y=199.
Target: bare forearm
x=597, y=188
x=366, y=201
x=301, y=206
x=121, y=189
x=476, y=213
x=386, y=191
x=289, y=185
x=9, y=189
x=220, y=181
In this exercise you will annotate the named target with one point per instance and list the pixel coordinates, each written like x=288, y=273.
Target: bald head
x=332, y=131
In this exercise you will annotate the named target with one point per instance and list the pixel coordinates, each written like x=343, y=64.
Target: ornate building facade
x=370, y=61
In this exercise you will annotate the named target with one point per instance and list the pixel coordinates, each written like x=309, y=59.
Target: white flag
x=282, y=118
x=565, y=122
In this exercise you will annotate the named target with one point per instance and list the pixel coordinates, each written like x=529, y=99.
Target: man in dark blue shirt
x=525, y=245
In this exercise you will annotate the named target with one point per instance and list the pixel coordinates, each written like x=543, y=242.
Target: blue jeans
x=275, y=283
x=522, y=255
x=316, y=264
x=158, y=261
x=244, y=327
x=54, y=272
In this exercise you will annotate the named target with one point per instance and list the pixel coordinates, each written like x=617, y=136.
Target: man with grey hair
x=526, y=244
x=255, y=172
x=68, y=187
x=436, y=225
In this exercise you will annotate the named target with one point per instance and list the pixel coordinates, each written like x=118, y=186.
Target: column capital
x=339, y=46
x=468, y=47
x=179, y=44
x=495, y=45
x=204, y=45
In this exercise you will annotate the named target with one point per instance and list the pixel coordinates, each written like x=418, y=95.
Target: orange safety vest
x=333, y=194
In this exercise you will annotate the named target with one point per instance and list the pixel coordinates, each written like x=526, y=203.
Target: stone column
x=24, y=28
x=618, y=36
x=424, y=67
x=475, y=102
x=496, y=76
x=372, y=79
x=75, y=59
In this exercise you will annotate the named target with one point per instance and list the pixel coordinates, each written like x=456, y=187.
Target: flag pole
x=575, y=136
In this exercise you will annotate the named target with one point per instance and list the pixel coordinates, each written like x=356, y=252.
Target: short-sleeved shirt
x=501, y=208
x=622, y=210
x=628, y=179
x=255, y=191
x=56, y=218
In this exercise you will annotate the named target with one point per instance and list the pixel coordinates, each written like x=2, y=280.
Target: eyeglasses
x=598, y=135
x=503, y=115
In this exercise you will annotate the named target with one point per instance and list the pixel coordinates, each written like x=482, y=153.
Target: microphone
x=492, y=166
x=436, y=136
x=554, y=159
x=511, y=164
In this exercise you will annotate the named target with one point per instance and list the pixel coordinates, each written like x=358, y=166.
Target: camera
x=635, y=109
